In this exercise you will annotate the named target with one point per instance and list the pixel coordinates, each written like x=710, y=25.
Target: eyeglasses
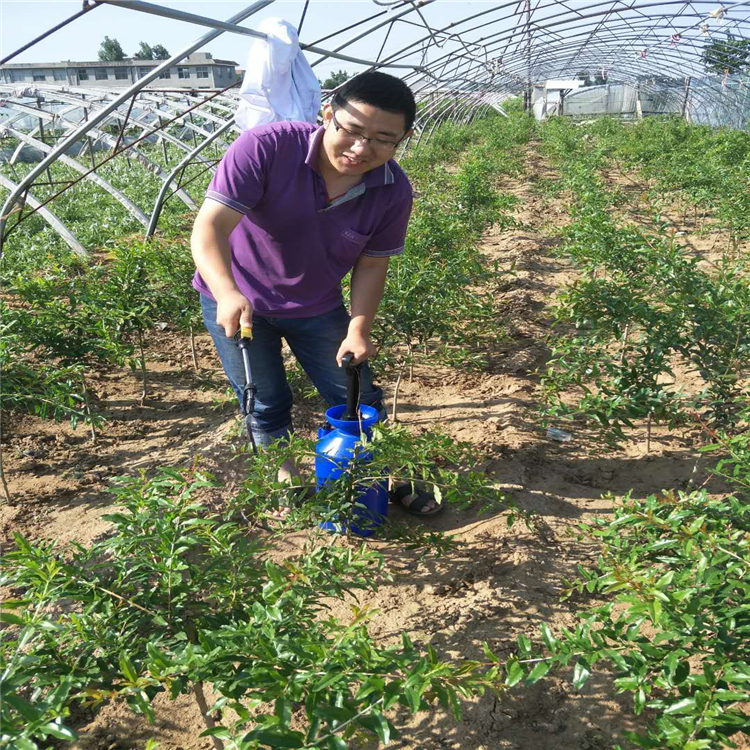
x=359, y=138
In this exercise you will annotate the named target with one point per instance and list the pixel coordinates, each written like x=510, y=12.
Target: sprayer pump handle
x=346, y=361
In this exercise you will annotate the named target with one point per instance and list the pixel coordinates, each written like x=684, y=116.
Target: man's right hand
x=233, y=310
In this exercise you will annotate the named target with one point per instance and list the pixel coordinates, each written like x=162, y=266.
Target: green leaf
x=413, y=699
x=58, y=696
x=665, y=580
x=681, y=672
x=336, y=743
x=489, y=653
x=275, y=738
x=686, y=705
x=221, y=733
x=539, y=671
x=283, y=709
x=549, y=639
x=29, y=712
x=581, y=673
x=524, y=645
x=337, y=714
x=127, y=668
x=59, y=731
x=156, y=655
x=639, y=701
x=10, y=619
x=325, y=682
x=731, y=695
x=24, y=743
x=514, y=672
x=377, y=723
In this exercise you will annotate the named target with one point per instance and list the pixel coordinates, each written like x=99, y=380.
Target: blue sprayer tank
x=334, y=451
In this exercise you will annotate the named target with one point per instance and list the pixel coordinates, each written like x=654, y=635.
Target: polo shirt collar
x=382, y=175
x=314, y=142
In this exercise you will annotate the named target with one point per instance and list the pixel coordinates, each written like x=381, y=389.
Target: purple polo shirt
x=292, y=247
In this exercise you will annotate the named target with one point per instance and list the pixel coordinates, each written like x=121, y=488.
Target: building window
x=39, y=75
x=143, y=72
x=60, y=75
x=166, y=73
x=122, y=74
x=83, y=74
x=201, y=72
x=16, y=76
x=183, y=72
x=101, y=74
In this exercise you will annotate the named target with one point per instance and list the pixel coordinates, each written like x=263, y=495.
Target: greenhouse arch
x=458, y=72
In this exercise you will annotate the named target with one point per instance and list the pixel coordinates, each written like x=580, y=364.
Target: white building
x=198, y=71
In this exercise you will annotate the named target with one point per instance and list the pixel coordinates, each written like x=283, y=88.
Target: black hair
x=379, y=90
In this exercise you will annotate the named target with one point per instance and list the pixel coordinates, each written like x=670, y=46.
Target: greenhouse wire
x=526, y=43
x=114, y=153
x=108, y=138
x=302, y=19
x=86, y=8
x=101, y=115
x=161, y=199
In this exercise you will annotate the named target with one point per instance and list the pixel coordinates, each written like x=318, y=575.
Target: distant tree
x=726, y=54
x=146, y=52
x=335, y=79
x=111, y=51
x=160, y=52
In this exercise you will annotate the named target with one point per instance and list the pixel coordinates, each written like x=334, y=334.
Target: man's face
x=351, y=157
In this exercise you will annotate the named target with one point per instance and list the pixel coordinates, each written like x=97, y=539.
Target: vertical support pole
x=163, y=142
x=89, y=142
x=41, y=138
x=529, y=83
x=684, y=111
x=192, y=132
x=638, y=105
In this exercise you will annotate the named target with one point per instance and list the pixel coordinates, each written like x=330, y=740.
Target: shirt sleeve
x=240, y=178
x=389, y=238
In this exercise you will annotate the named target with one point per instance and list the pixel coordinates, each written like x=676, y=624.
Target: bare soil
x=501, y=583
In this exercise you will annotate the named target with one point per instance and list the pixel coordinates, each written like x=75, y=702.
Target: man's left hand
x=359, y=346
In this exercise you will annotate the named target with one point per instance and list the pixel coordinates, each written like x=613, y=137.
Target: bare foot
x=288, y=474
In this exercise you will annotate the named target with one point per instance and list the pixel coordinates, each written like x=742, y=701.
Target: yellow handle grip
x=246, y=332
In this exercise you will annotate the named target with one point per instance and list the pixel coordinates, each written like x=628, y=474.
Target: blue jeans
x=314, y=342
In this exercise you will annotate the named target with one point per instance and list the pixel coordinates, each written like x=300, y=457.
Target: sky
x=22, y=20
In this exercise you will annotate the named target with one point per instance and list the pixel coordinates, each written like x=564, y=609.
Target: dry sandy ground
x=502, y=582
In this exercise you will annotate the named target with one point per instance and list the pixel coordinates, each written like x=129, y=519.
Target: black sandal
x=415, y=506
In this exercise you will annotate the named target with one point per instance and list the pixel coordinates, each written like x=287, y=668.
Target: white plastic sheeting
x=279, y=83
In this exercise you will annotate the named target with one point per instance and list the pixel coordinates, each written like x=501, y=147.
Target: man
x=291, y=210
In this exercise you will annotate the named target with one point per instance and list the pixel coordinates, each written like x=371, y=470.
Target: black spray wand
x=352, y=389
x=248, y=394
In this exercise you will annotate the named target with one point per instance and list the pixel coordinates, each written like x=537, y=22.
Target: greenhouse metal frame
x=458, y=72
